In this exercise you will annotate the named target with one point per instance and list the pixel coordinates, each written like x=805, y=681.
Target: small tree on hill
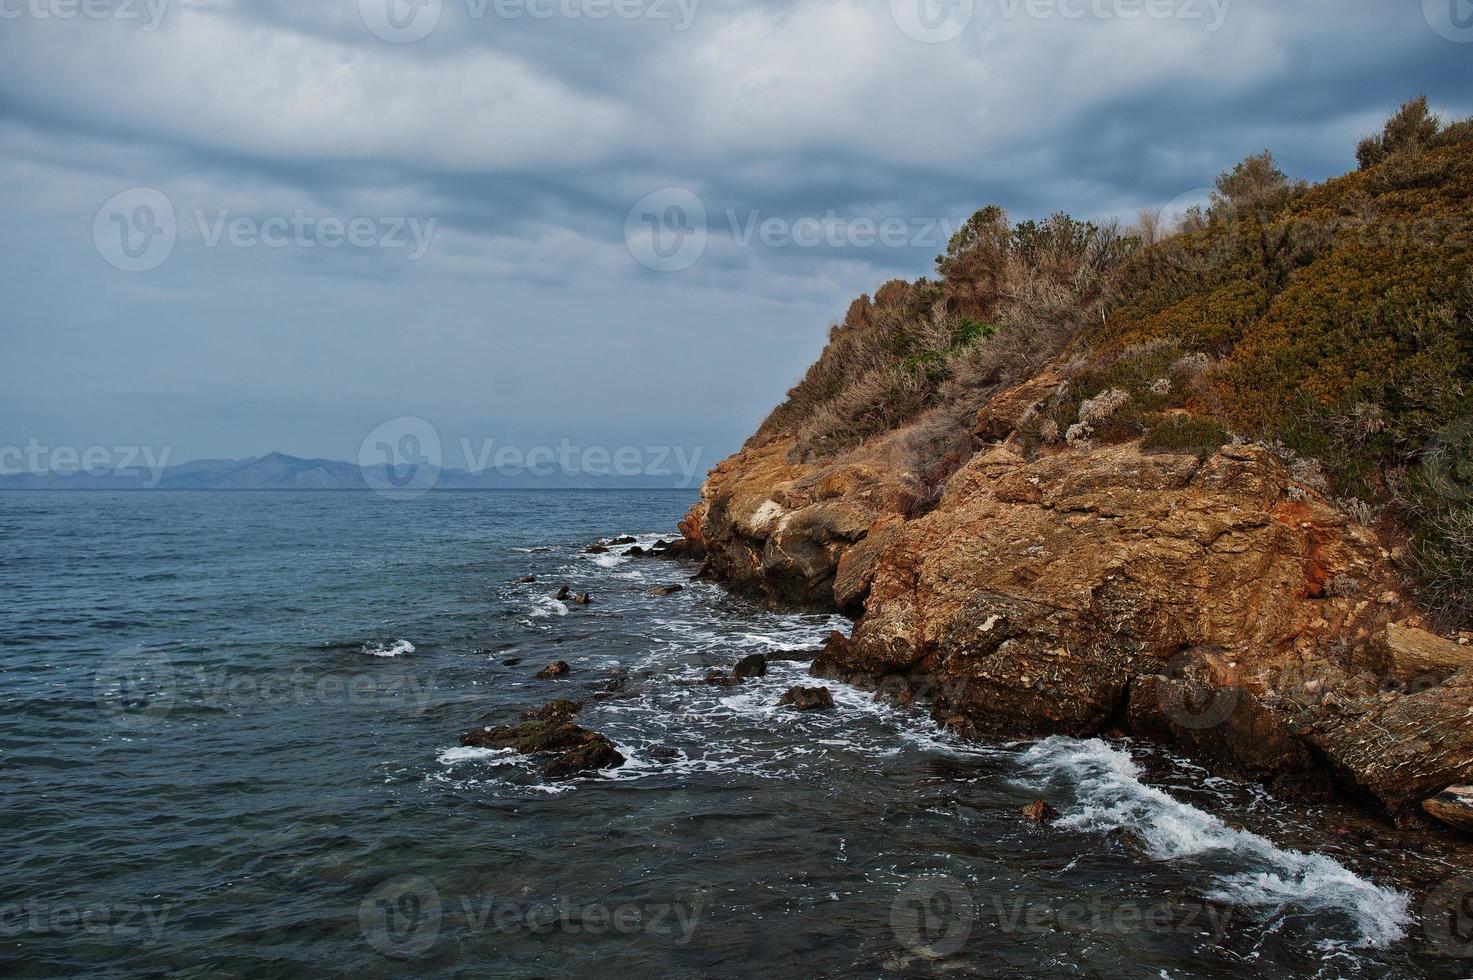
x=1408, y=130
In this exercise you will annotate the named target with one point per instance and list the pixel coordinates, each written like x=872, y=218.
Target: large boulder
x=1415, y=655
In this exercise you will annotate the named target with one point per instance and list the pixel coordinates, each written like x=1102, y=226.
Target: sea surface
x=229, y=747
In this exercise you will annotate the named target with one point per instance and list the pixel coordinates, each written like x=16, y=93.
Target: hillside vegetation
x=1333, y=322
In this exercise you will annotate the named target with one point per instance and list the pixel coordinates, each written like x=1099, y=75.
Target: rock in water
x=1040, y=812
x=717, y=678
x=808, y=699
x=595, y=549
x=560, y=710
x=664, y=590
x=624, y=539
x=582, y=599
x=525, y=580
x=558, y=668
x=596, y=752
x=563, y=594
x=576, y=750
x=753, y=666
x=1454, y=807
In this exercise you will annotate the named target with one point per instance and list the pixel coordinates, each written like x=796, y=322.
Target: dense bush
x=1009, y=299
x=1341, y=319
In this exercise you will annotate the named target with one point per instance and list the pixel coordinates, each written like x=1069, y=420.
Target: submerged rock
x=595, y=549
x=664, y=590
x=1040, y=812
x=808, y=699
x=753, y=666
x=558, y=668
x=582, y=599
x=525, y=580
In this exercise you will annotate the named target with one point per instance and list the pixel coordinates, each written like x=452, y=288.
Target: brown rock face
x=1413, y=654
x=1215, y=604
x=778, y=530
x=1453, y=806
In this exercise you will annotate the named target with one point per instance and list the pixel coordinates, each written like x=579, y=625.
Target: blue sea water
x=229, y=747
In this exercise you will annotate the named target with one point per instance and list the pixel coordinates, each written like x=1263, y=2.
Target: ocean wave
x=1110, y=796
x=396, y=648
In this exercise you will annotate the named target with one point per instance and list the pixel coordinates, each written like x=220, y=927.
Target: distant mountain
x=278, y=471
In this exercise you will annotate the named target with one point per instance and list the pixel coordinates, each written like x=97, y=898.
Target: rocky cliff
x=1067, y=569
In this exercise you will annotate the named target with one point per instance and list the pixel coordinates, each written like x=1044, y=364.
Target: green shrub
x=1187, y=434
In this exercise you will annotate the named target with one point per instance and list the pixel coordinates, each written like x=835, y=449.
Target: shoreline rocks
x=558, y=668
x=1215, y=602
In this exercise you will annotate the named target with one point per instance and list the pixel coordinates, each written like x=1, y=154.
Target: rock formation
x=1217, y=603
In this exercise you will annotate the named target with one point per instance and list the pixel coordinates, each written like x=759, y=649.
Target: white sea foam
x=1111, y=796
x=466, y=753
x=548, y=606
x=394, y=649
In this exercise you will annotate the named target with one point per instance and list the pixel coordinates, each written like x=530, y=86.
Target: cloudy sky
x=237, y=226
